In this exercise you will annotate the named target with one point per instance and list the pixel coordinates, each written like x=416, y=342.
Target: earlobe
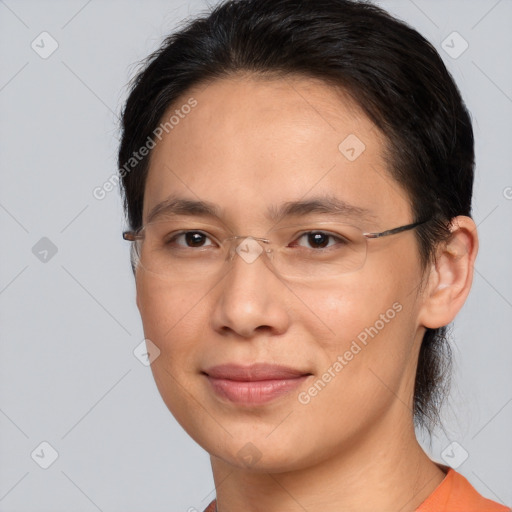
x=451, y=276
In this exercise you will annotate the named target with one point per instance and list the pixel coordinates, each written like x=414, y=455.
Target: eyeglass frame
x=135, y=235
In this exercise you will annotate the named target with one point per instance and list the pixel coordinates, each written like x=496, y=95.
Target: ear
x=451, y=275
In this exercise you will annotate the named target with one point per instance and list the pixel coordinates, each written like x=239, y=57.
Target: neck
x=388, y=471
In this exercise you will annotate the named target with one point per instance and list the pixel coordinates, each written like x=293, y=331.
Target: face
x=248, y=146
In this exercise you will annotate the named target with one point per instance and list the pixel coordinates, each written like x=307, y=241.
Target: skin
x=250, y=143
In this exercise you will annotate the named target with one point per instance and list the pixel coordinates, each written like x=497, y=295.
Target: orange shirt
x=456, y=494
x=453, y=494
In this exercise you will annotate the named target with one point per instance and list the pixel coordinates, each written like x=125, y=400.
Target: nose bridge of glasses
x=248, y=247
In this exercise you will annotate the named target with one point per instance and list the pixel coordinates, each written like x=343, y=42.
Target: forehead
x=249, y=143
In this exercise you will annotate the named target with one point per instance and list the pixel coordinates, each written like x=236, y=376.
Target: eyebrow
x=328, y=205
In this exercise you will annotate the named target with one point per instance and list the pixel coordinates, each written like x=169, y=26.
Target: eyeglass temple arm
x=395, y=230
x=131, y=236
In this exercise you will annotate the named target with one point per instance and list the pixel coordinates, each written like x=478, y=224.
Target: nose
x=251, y=297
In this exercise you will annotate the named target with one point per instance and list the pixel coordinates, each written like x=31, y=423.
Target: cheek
x=355, y=304
x=360, y=369
x=170, y=313
x=371, y=325
x=172, y=318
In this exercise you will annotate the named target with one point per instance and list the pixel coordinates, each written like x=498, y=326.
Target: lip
x=254, y=384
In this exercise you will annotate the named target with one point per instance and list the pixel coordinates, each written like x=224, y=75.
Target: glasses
x=194, y=251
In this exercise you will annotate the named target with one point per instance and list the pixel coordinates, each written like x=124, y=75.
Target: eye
x=189, y=239
x=320, y=239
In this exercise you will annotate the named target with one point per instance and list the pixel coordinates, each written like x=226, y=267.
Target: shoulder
x=456, y=494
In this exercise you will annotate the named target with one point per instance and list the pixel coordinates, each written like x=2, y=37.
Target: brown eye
x=321, y=239
x=189, y=239
x=318, y=240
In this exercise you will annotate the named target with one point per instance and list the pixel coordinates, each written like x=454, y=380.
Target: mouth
x=255, y=384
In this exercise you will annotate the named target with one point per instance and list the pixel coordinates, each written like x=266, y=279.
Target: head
x=267, y=102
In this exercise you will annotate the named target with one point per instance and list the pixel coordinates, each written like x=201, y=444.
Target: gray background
x=69, y=324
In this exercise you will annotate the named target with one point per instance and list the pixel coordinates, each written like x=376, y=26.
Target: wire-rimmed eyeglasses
x=195, y=250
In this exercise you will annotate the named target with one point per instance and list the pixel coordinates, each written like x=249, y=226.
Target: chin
x=257, y=452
